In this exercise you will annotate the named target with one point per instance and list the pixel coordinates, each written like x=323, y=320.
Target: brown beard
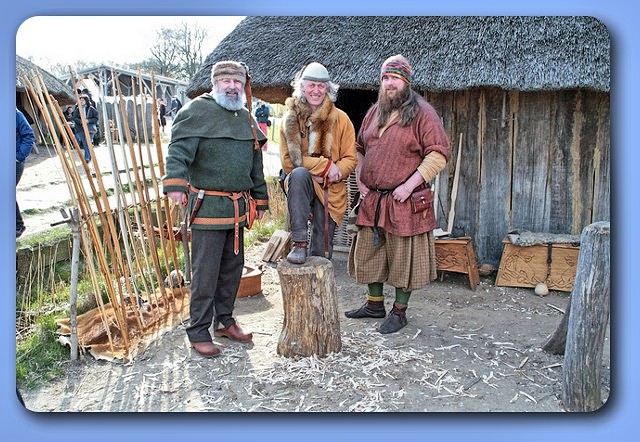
x=387, y=105
x=405, y=102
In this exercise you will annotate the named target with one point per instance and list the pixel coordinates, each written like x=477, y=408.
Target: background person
x=162, y=113
x=262, y=116
x=25, y=139
x=91, y=117
x=176, y=105
x=95, y=136
x=401, y=146
x=317, y=150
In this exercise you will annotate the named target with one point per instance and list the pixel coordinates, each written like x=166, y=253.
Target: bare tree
x=164, y=53
x=178, y=51
x=190, y=49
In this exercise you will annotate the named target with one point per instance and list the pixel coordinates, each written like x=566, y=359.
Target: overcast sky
x=48, y=40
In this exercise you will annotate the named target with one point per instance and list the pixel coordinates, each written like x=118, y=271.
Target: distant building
x=131, y=85
x=59, y=90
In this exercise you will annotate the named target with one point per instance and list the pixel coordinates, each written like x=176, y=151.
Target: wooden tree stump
x=587, y=325
x=311, y=325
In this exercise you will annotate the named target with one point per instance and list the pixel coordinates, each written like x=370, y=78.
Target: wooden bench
x=457, y=255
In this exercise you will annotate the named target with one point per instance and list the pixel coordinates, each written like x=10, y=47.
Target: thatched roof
x=57, y=88
x=446, y=53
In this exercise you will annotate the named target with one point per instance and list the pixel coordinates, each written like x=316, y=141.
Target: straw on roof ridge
x=446, y=53
x=62, y=92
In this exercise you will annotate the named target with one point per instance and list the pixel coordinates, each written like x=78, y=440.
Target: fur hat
x=229, y=69
x=315, y=72
x=398, y=66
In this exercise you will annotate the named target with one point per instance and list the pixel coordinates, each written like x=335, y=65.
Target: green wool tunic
x=213, y=148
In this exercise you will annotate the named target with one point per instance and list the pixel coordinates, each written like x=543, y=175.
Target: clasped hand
x=333, y=176
x=401, y=193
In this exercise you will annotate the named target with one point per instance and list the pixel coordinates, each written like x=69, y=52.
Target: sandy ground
x=462, y=351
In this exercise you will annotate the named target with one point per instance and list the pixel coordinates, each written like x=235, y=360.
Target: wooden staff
x=67, y=165
x=119, y=196
x=38, y=100
x=454, y=190
x=139, y=186
x=82, y=203
x=166, y=203
x=156, y=189
x=145, y=192
x=112, y=240
x=127, y=235
x=140, y=261
x=99, y=198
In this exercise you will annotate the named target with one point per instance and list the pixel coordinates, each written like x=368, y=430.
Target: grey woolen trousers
x=216, y=274
x=302, y=201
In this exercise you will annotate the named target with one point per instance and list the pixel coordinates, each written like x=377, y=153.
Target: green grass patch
x=40, y=358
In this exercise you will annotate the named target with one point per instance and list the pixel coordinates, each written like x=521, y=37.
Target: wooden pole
x=96, y=244
x=166, y=203
x=74, y=223
x=140, y=259
x=75, y=258
x=454, y=189
x=110, y=233
x=75, y=186
x=588, y=320
x=143, y=192
x=135, y=185
x=154, y=181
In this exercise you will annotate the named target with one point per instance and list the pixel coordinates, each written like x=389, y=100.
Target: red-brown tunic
x=389, y=160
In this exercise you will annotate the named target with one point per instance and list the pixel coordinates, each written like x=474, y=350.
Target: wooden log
x=276, y=245
x=556, y=343
x=311, y=325
x=588, y=320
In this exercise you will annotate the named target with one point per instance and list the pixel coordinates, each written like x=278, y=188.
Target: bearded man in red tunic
x=402, y=146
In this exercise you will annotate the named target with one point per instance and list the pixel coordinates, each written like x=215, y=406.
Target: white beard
x=232, y=104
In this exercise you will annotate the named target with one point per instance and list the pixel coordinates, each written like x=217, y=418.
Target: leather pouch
x=422, y=200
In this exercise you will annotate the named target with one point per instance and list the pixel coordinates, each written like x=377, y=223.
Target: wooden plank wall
x=537, y=161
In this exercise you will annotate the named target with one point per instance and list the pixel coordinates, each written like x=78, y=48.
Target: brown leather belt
x=237, y=219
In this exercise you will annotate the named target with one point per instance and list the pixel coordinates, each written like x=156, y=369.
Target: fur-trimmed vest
x=319, y=133
x=330, y=139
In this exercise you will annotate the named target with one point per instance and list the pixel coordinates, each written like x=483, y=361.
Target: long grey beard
x=232, y=104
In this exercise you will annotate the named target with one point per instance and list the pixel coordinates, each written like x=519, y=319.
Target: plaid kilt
x=408, y=262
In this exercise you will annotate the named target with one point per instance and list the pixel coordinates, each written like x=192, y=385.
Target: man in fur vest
x=402, y=146
x=214, y=163
x=317, y=149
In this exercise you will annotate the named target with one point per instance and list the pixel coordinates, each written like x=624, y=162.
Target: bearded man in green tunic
x=402, y=146
x=213, y=167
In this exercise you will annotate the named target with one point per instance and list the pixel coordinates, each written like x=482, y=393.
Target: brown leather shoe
x=234, y=333
x=206, y=348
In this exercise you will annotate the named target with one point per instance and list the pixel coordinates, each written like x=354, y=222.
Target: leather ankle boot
x=234, y=333
x=396, y=320
x=207, y=348
x=298, y=253
x=370, y=309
